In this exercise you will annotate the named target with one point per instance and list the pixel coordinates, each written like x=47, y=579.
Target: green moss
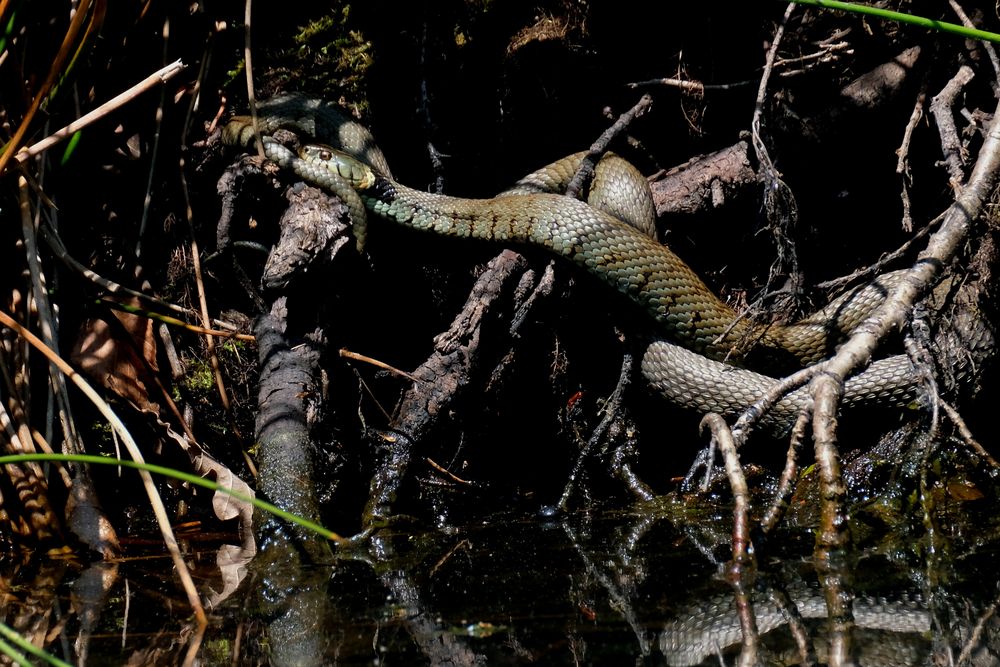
x=334, y=55
x=199, y=377
x=233, y=346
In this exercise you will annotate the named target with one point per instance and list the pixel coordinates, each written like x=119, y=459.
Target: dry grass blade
x=162, y=75
x=55, y=71
x=87, y=519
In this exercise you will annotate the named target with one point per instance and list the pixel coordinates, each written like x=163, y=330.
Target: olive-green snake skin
x=894, y=632
x=700, y=331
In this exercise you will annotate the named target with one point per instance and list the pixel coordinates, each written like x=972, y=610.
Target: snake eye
x=325, y=154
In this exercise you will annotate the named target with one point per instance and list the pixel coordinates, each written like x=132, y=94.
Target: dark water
x=615, y=587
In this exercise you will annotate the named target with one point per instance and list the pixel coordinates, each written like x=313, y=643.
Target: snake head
x=359, y=175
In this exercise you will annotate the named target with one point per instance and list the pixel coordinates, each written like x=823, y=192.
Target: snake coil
x=694, y=364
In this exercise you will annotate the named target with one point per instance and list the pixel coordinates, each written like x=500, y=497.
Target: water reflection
x=636, y=587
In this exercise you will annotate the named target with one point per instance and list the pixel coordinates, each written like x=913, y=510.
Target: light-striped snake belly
x=695, y=363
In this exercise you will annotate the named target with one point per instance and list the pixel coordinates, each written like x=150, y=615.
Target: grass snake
x=697, y=363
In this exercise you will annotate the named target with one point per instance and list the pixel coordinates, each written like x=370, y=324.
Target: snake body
x=896, y=628
x=700, y=331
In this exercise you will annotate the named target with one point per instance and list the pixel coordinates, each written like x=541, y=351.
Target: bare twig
x=598, y=148
x=445, y=472
x=917, y=346
x=87, y=518
x=610, y=413
x=692, y=86
x=796, y=626
x=966, y=433
x=47, y=323
x=620, y=464
x=206, y=318
x=876, y=268
x=826, y=54
x=786, y=483
x=53, y=240
x=173, y=321
x=974, y=640
x=760, y=407
x=779, y=201
x=955, y=155
x=903, y=153
x=347, y=354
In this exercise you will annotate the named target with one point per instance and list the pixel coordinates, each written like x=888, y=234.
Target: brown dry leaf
x=103, y=352
x=226, y=506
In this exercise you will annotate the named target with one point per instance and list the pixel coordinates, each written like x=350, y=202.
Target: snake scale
x=696, y=364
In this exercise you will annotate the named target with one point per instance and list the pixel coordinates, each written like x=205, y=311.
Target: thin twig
x=173, y=321
x=779, y=202
x=759, y=148
x=974, y=641
x=966, y=433
x=825, y=55
x=347, y=354
x=610, y=412
x=786, y=483
x=248, y=61
x=52, y=239
x=622, y=467
x=693, y=86
x=445, y=472
x=903, y=153
x=598, y=148
x=917, y=345
x=753, y=414
x=883, y=261
x=796, y=626
x=48, y=326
